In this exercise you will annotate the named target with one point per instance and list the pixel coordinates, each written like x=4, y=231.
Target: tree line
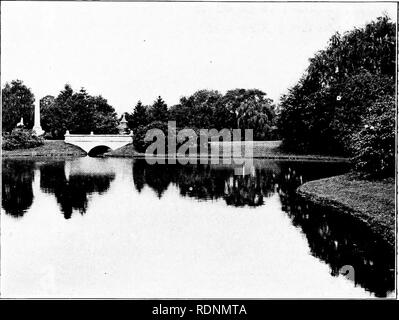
x=80, y=112
x=209, y=109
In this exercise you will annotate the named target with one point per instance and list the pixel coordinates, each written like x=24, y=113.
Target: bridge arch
x=98, y=150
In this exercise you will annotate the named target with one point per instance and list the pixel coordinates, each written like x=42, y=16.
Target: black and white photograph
x=198, y=150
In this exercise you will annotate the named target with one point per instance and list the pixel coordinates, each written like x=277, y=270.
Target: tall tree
x=159, y=111
x=105, y=119
x=78, y=112
x=181, y=113
x=251, y=110
x=202, y=109
x=18, y=101
x=139, y=117
x=46, y=105
x=56, y=117
x=203, y=104
x=82, y=113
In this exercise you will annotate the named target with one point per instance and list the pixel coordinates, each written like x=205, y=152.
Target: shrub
x=21, y=139
x=358, y=94
x=373, y=145
x=49, y=136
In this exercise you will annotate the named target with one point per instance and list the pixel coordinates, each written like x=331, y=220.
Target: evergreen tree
x=159, y=111
x=139, y=117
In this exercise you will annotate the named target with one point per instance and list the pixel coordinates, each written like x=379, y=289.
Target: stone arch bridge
x=88, y=142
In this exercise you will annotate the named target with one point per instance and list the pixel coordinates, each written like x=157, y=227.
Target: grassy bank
x=261, y=149
x=372, y=202
x=51, y=148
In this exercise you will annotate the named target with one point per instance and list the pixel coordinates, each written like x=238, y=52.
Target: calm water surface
x=98, y=227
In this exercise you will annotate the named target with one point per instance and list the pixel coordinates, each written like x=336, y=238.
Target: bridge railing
x=97, y=137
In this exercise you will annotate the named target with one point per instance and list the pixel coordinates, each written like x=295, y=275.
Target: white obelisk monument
x=37, y=127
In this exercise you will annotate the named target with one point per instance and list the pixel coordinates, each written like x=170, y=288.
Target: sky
x=129, y=51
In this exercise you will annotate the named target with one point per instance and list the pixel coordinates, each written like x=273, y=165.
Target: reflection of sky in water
x=95, y=227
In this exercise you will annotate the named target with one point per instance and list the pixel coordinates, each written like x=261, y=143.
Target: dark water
x=92, y=227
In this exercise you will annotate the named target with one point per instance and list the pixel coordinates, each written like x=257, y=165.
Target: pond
x=107, y=227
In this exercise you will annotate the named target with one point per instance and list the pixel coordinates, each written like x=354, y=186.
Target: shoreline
x=371, y=202
x=262, y=150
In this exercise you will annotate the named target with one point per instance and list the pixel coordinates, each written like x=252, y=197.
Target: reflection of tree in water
x=139, y=175
x=250, y=190
x=71, y=194
x=338, y=239
x=213, y=182
x=206, y=182
x=17, y=194
x=200, y=182
x=157, y=177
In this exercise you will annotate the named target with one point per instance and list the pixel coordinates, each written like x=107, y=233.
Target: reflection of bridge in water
x=98, y=167
x=73, y=182
x=88, y=142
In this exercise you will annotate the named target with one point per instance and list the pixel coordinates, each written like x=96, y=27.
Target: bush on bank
x=21, y=139
x=374, y=145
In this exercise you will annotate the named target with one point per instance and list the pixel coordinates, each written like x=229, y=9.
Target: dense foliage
x=252, y=110
x=326, y=107
x=158, y=111
x=139, y=117
x=17, y=102
x=238, y=108
x=329, y=105
x=197, y=111
x=208, y=109
x=20, y=138
x=374, y=145
x=140, y=132
x=189, y=137
x=77, y=112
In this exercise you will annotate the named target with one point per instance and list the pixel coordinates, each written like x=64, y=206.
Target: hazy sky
x=129, y=51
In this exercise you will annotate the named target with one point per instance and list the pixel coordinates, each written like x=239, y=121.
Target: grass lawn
x=50, y=148
x=373, y=202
